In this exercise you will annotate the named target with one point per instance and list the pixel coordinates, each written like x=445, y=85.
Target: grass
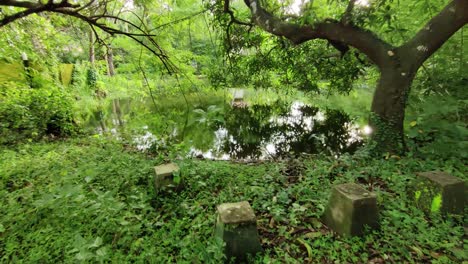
x=90, y=200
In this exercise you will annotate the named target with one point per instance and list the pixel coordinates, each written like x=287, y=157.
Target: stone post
x=350, y=208
x=237, y=227
x=437, y=191
x=164, y=177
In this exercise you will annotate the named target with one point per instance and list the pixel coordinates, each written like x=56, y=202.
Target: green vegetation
x=103, y=91
x=90, y=200
x=31, y=114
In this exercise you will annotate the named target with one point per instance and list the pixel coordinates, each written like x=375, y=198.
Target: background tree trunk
x=91, y=47
x=110, y=61
x=388, y=109
x=111, y=72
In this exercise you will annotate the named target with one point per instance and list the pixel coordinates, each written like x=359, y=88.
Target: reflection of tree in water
x=288, y=129
x=247, y=128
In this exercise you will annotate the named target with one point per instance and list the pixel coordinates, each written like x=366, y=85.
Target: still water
x=242, y=131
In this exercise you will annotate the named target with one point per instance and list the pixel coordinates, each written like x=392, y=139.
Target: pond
x=236, y=130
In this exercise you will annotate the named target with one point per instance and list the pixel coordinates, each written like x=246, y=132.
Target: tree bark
x=111, y=72
x=91, y=47
x=110, y=61
x=388, y=109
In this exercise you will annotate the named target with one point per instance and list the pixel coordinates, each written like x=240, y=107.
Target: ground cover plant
x=91, y=200
x=94, y=94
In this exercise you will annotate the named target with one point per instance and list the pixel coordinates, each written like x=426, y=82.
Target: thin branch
x=146, y=80
x=85, y=6
x=229, y=11
x=8, y=19
x=233, y=20
x=180, y=20
x=347, y=16
x=142, y=36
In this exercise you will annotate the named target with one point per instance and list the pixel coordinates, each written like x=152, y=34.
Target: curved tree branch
x=433, y=35
x=332, y=30
x=232, y=20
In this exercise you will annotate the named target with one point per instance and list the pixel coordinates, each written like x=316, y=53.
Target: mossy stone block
x=164, y=177
x=350, y=209
x=440, y=192
x=236, y=225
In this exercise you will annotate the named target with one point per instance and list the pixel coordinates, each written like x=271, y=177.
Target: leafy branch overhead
x=97, y=14
x=432, y=35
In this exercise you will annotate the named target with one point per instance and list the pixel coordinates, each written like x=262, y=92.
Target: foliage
x=439, y=128
x=31, y=114
x=91, y=200
x=269, y=62
x=436, y=122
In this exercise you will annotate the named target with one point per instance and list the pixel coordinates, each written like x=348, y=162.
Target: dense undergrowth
x=91, y=200
x=31, y=114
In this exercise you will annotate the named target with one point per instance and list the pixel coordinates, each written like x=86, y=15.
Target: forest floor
x=92, y=200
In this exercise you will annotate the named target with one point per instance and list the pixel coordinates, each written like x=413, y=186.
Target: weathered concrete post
x=437, y=191
x=350, y=208
x=164, y=177
x=236, y=225
x=27, y=68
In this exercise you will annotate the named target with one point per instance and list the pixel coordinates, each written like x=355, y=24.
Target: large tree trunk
x=388, y=109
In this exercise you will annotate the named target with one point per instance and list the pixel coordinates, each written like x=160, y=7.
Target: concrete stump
x=440, y=192
x=237, y=227
x=350, y=208
x=238, y=95
x=164, y=177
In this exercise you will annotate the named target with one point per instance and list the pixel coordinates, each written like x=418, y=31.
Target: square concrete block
x=237, y=227
x=437, y=191
x=164, y=177
x=350, y=208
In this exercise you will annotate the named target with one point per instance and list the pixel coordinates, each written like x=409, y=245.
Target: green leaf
x=417, y=250
x=97, y=243
x=313, y=235
x=101, y=252
x=307, y=246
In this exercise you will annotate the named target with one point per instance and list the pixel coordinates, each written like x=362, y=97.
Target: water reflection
x=278, y=130
x=254, y=132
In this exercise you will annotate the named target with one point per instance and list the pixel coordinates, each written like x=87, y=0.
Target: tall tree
x=398, y=65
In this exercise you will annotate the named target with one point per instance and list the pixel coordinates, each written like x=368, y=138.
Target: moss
x=436, y=203
x=417, y=195
x=66, y=72
x=11, y=72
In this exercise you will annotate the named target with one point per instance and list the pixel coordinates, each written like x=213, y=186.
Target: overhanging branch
x=332, y=30
x=232, y=20
x=436, y=32
x=141, y=36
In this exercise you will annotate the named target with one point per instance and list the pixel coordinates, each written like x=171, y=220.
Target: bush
x=31, y=114
x=438, y=127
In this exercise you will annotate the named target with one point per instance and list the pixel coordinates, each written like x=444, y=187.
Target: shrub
x=31, y=114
